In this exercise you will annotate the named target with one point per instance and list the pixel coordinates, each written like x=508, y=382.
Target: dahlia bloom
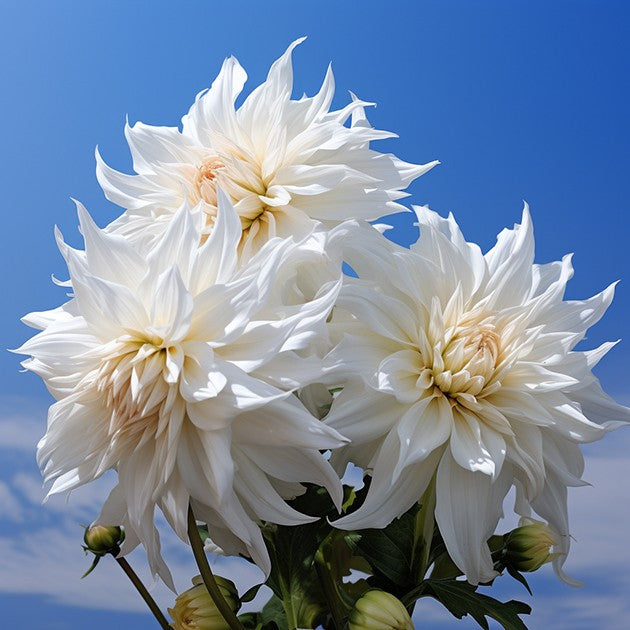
x=287, y=165
x=462, y=366
x=177, y=369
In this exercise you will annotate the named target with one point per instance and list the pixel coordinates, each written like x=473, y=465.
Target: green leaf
x=332, y=563
x=251, y=620
x=400, y=552
x=356, y=590
x=293, y=578
x=272, y=615
x=462, y=598
x=390, y=550
x=250, y=594
x=424, y=527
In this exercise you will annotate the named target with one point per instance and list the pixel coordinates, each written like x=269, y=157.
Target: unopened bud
x=528, y=547
x=195, y=609
x=378, y=610
x=101, y=539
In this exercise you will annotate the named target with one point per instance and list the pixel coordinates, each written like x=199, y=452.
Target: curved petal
x=469, y=506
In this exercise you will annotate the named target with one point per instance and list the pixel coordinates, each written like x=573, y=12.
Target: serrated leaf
x=462, y=598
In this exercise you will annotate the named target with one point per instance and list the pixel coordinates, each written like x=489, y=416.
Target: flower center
x=205, y=183
x=135, y=379
x=465, y=368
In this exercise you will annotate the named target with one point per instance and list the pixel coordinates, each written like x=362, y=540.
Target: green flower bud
x=101, y=539
x=528, y=547
x=195, y=609
x=378, y=610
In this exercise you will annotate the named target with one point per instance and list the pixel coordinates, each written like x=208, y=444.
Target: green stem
x=329, y=587
x=208, y=577
x=150, y=602
x=291, y=608
x=423, y=532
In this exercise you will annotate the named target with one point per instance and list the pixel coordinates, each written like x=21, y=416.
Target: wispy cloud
x=20, y=433
x=50, y=561
x=10, y=507
x=40, y=546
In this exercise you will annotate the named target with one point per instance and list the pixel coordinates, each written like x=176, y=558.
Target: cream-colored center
x=205, y=183
x=247, y=190
x=464, y=365
x=134, y=380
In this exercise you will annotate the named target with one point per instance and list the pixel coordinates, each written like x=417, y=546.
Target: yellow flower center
x=247, y=190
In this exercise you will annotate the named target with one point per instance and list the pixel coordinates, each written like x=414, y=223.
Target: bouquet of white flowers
x=215, y=355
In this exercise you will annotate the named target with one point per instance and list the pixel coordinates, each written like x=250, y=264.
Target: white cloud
x=599, y=515
x=49, y=561
x=21, y=433
x=583, y=612
x=83, y=503
x=10, y=508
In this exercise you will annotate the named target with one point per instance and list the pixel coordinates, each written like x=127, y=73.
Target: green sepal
x=519, y=577
x=92, y=566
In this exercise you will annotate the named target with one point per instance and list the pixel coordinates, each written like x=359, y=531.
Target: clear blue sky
x=519, y=100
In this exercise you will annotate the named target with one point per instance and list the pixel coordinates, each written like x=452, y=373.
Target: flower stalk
x=140, y=587
x=207, y=575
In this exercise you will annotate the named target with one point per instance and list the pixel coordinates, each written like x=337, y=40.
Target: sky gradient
x=519, y=101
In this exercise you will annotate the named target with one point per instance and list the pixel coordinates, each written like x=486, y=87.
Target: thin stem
x=150, y=602
x=208, y=577
x=330, y=593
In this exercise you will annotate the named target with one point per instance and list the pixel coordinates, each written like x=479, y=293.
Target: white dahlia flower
x=177, y=369
x=461, y=365
x=286, y=164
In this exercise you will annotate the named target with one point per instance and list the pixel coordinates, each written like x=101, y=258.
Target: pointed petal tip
x=85, y=219
x=345, y=523
x=558, y=568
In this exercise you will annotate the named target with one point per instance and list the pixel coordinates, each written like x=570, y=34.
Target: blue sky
x=519, y=100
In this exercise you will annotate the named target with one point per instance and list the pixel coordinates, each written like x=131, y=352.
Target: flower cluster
x=213, y=353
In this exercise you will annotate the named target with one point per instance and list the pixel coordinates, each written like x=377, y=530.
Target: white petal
x=172, y=307
x=389, y=498
x=469, y=505
x=285, y=422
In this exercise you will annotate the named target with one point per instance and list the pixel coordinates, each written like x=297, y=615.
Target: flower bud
x=528, y=547
x=101, y=539
x=195, y=609
x=378, y=610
